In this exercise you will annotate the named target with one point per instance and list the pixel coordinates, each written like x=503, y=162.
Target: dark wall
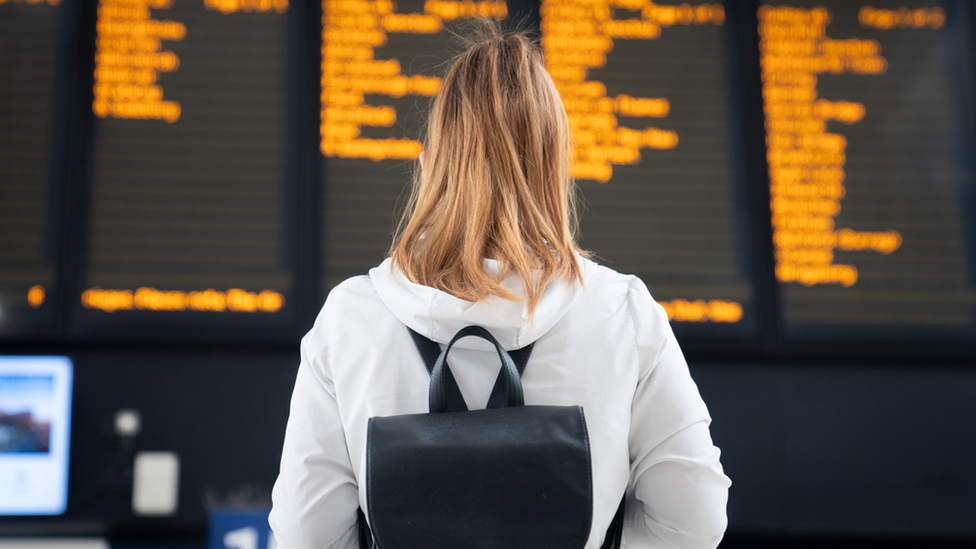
x=825, y=451
x=224, y=413
x=845, y=450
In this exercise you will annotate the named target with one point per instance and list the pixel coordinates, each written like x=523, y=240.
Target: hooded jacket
x=604, y=344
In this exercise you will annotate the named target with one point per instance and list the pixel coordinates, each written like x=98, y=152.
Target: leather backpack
x=510, y=476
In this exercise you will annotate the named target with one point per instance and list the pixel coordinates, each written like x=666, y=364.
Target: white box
x=155, y=487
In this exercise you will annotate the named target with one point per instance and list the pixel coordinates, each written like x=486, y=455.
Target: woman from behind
x=488, y=239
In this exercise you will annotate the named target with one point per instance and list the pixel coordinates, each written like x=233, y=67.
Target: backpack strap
x=430, y=351
x=520, y=357
x=365, y=535
x=615, y=532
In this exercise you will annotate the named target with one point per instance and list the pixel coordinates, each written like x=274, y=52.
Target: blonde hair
x=495, y=181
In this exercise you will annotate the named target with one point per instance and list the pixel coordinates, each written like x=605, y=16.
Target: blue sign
x=240, y=529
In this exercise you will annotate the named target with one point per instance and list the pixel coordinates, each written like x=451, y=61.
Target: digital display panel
x=869, y=154
x=27, y=65
x=645, y=89
x=35, y=429
x=380, y=67
x=189, y=208
x=658, y=70
x=191, y=217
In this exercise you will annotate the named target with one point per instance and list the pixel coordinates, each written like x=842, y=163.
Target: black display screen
x=190, y=214
x=646, y=92
x=173, y=187
x=869, y=149
x=27, y=75
x=669, y=217
x=381, y=63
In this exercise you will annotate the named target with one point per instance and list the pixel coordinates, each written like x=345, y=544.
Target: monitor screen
x=205, y=205
x=35, y=428
x=647, y=99
x=381, y=62
x=647, y=93
x=869, y=149
x=190, y=216
x=27, y=75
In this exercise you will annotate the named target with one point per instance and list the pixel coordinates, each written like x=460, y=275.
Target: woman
x=488, y=240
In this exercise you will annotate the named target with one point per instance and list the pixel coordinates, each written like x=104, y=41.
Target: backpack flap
x=504, y=478
x=509, y=477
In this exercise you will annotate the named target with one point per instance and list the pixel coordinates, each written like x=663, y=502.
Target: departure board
x=669, y=218
x=188, y=210
x=645, y=89
x=380, y=67
x=27, y=64
x=868, y=147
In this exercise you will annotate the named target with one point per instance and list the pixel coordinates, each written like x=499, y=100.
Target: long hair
x=495, y=181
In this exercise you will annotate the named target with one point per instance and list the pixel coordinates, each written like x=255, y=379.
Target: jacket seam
x=641, y=376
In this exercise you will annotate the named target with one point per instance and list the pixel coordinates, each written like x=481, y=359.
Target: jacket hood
x=438, y=315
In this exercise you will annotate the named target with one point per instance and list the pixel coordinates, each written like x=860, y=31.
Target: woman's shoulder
x=605, y=287
x=604, y=282
x=353, y=288
x=352, y=301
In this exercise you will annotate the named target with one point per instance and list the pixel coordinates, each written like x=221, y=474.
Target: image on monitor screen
x=35, y=414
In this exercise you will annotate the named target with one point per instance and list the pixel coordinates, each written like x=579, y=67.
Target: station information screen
x=189, y=212
x=35, y=434
x=380, y=67
x=647, y=81
x=27, y=65
x=868, y=146
x=644, y=85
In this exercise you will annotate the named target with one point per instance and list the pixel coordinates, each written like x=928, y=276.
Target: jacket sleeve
x=679, y=490
x=315, y=497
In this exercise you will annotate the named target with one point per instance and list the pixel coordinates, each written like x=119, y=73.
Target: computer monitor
x=35, y=427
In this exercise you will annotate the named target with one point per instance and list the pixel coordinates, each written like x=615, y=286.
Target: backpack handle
x=438, y=393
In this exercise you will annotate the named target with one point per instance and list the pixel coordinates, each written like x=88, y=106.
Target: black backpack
x=507, y=477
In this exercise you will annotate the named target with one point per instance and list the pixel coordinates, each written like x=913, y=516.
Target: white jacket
x=605, y=345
